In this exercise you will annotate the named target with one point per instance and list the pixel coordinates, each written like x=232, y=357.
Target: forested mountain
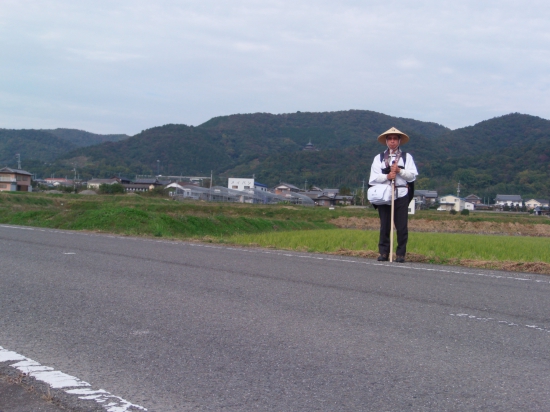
x=180, y=149
x=81, y=138
x=244, y=142
x=31, y=144
x=264, y=133
x=507, y=154
x=39, y=146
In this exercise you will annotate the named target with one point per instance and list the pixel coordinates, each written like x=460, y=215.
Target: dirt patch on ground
x=526, y=267
x=450, y=226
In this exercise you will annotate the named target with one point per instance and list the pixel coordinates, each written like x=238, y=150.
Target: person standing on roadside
x=393, y=164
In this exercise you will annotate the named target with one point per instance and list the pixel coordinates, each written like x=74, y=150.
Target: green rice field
x=440, y=245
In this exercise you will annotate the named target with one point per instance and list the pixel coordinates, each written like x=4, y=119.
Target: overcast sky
x=122, y=66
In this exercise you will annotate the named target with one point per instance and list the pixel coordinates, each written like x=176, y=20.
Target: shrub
x=452, y=212
x=66, y=189
x=106, y=189
x=464, y=212
x=158, y=191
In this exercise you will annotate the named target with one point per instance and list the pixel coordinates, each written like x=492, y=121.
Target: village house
x=533, y=203
x=95, y=183
x=142, y=184
x=476, y=200
x=425, y=197
x=451, y=202
x=508, y=200
x=58, y=181
x=15, y=180
x=328, y=197
x=285, y=188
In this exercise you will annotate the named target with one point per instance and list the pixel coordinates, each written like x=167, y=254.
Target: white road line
x=292, y=255
x=70, y=384
x=473, y=317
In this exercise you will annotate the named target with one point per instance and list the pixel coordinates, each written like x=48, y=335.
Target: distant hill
x=179, y=148
x=511, y=131
x=31, y=144
x=81, y=138
x=224, y=143
x=46, y=145
x=507, y=154
x=329, y=130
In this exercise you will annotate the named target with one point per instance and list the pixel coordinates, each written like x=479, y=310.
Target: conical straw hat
x=393, y=130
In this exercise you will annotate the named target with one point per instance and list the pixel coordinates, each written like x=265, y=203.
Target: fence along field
x=342, y=231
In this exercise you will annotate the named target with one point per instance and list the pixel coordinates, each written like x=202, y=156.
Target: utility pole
x=458, y=190
x=158, y=168
x=305, y=186
x=363, y=194
x=211, y=176
x=18, y=156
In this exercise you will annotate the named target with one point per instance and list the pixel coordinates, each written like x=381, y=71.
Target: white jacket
x=408, y=174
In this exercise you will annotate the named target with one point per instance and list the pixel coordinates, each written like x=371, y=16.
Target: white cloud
x=104, y=55
x=148, y=63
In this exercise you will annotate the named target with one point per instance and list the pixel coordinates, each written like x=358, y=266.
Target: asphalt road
x=174, y=326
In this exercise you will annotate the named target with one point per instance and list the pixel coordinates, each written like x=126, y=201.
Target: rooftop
x=18, y=171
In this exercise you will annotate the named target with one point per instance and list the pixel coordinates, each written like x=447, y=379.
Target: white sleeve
x=409, y=173
x=376, y=175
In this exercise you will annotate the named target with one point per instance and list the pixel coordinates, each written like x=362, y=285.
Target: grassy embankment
x=148, y=216
x=285, y=227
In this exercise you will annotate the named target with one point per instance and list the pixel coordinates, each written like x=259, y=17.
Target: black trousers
x=401, y=215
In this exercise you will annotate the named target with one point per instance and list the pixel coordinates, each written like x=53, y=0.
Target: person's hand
x=395, y=167
x=391, y=175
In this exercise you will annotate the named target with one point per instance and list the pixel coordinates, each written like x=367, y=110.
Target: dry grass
x=542, y=268
x=452, y=226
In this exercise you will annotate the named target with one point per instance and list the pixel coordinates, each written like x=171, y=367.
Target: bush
x=465, y=212
x=66, y=189
x=452, y=212
x=158, y=191
x=115, y=188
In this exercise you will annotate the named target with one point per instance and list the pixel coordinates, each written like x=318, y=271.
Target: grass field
x=281, y=226
x=434, y=246
x=135, y=215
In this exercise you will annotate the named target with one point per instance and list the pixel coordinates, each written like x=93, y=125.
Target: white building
x=508, y=200
x=533, y=203
x=95, y=183
x=238, y=183
x=451, y=202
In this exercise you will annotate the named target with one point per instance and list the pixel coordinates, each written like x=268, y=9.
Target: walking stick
x=391, y=222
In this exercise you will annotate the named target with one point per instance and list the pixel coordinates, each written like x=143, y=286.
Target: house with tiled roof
x=476, y=200
x=533, y=203
x=508, y=200
x=284, y=188
x=451, y=202
x=15, y=180
x=425, y=196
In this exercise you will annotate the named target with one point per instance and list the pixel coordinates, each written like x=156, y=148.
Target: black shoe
x=382, y=258
x=400, y=259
